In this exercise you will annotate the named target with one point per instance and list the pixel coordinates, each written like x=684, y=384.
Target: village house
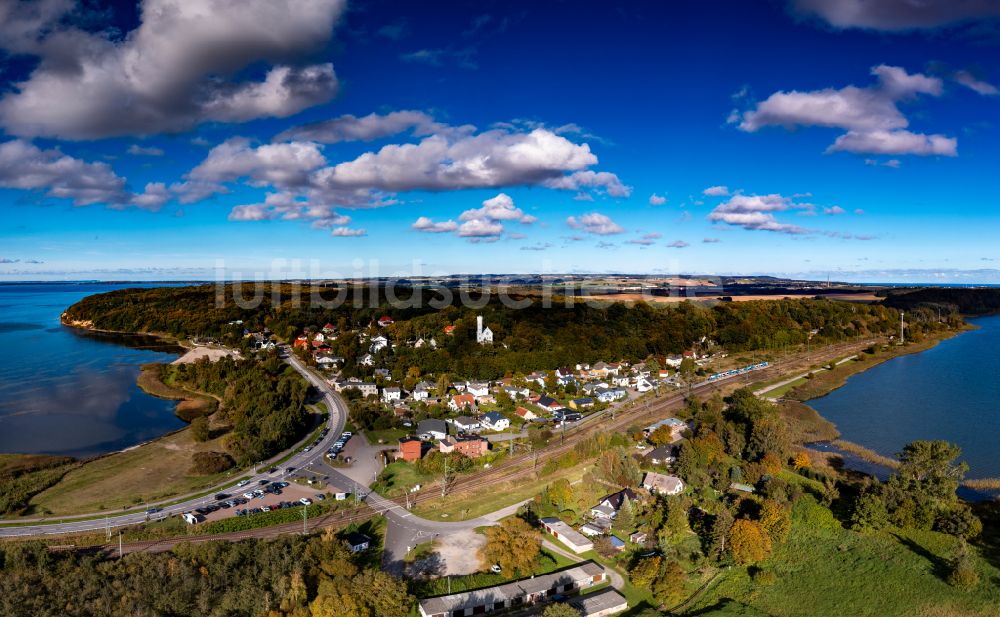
x=472, y=446
x=676, y=427
x=329, y=329
x=327, y=360
x=478, y=389
x=610, y=395
x=549, y=403
x=537, y=378
x=432, y=430
x=422, y=391
x=392, y=394
x=465, y=424
x=525, y=414
x=621, y=381
x=367, y=360
x=609, y=506
x=661, y=455
x=590, y=389
x=674, y=360
x=581, y=403
x=515, y=392
x=411, y=449
x=378, y=344
x=357, y=542
x=526, y=592
x=662, y=484
x=494, y=421
x=462, y=401
x=384, y=321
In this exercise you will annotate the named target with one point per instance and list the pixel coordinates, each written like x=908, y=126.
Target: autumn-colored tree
x=560, y=609
x=384, y=594
x=645, y=571
x=331, y=556
x=618, y=467
x=776, y=521
x=514, y=544
x=661, y=436
x=802, y=461
x=199, y=429
x=748, y=542
x=668, y=587
x=561, y=494
x=720, y=533
x=771, y=463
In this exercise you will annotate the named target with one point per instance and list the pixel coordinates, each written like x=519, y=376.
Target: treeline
x=946, y=299
x=262, y=401
x=287, y=577
x=526, y=339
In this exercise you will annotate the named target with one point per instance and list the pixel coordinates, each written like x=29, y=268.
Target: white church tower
x=484, y=336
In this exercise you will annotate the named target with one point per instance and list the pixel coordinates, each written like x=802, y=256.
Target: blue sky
x=172, y=139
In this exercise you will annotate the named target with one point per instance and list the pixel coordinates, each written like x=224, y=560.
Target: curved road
x=335, y=422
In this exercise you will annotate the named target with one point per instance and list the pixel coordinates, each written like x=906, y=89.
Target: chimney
x=479, y=326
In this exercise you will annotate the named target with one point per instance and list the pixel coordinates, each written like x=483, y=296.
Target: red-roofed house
x=525, y=413
x=449, y=330
x=411, y=449
x=385, y=320
x=461, y=401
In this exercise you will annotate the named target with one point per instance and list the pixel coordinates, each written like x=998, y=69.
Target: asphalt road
x=335, y=422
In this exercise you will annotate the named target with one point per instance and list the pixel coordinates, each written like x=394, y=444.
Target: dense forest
x=947, y=299
x=293, y=576
x=262, y=401
x=529, y=338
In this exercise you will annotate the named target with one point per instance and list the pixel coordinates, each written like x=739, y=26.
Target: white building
x=391, y=395
x=378, y=344
x=484, y=336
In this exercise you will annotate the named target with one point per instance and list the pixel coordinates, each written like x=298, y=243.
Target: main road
x=300, y=458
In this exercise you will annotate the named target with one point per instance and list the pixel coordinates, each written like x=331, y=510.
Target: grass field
x=835, y=573
x=150, y=472
x=470, y=505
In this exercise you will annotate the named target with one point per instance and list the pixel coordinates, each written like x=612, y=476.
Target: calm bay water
x=65, y=391
x=949, y=392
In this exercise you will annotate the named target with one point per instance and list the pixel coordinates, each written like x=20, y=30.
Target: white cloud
x=346, y=232
x=181, y=66
x=678, y=244
x=896, y=142
x=595, y=223
x=367, y=128
x=24, y=166
x=602, y=181
x=646, y=239
x=290, y=208
x=711, y=240
x=756, y=212
x=716, y=191
x=425, y=224
x=153, y=196
x=138, y=150
x=871, y=117
x=657, y=200
x=499, y=208
x=480, y=228
x=834, y=211
x=896, y=15
x=490, y=159
x=970, y=81
x=284, y=165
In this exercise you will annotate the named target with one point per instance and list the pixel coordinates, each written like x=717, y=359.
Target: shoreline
x=864, y=453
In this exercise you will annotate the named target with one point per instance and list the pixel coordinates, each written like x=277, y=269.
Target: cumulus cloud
x=490, y=159
x=895, y=142
x=595, y=223
x=426, y=224
x=972, y=82
x=479, y=223
x=144, y=151
x=290, y=208
x=756, y=212
x=896, y=15
x=184, y=64
x=678, y=244
x=834, y=211
x=24, y=166
x=870, y=116
x=366, y=128
x=153, y=196
x=716, y=191
x=657, y=200
x=284, y=165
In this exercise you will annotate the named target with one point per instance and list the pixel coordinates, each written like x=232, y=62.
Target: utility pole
x=107, y=527
x=902, y=335
x=120, y=552
x=444, y=478
x=305, y=518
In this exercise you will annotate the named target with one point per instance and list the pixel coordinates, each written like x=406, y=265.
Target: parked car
x=242, y=483
x=153, y=510
x=305, y=501
x=320, y=496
